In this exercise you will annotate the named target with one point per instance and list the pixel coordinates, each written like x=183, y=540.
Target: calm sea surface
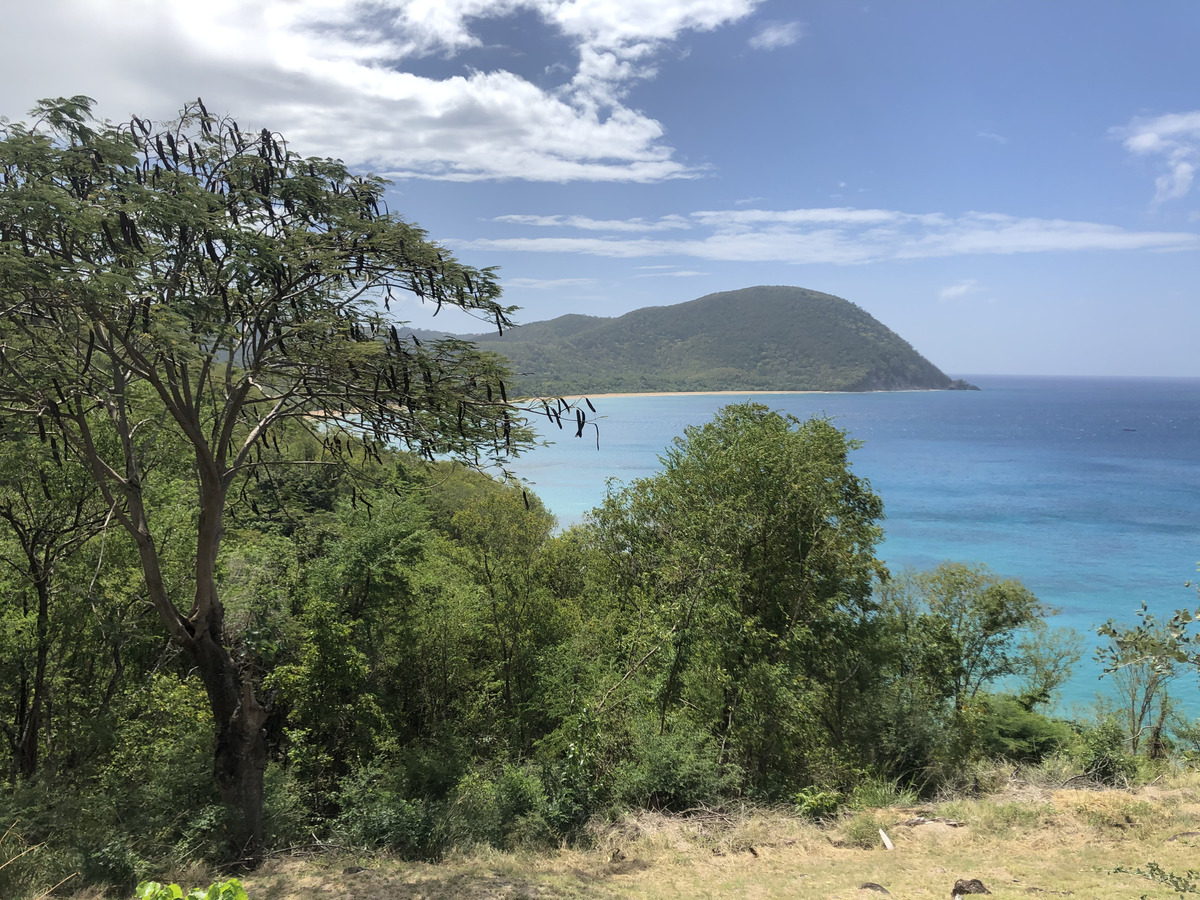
x=1087, y=489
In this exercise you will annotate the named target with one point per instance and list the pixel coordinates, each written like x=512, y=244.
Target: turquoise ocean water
x=1087, y=489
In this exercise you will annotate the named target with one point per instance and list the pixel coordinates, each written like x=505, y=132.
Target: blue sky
x=1009, y=185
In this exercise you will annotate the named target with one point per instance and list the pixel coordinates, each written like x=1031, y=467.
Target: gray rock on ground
x=965, y=886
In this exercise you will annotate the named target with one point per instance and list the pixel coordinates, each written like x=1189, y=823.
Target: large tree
x=746, y=568
x=190, y=287
x=982, y=626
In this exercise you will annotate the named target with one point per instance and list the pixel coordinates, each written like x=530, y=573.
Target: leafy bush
x=1102, y=756
x=218, y=890
x=504, y=809
x=287, y=819
x=374, y=813
x=1009, y=729
x=70, y=832
x=111, y=863
x=812, y=803
x=674, y=770
x=159, y=774
x=522, y=803
x=570, y=780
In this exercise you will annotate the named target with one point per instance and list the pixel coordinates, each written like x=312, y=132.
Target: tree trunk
x=240, y=756
x=27, y=763
x=31, y=730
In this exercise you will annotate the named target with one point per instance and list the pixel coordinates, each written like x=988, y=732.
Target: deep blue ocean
x=1087, y=489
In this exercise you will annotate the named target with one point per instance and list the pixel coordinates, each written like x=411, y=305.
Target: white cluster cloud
x=774, y=35
x=959, y=290
x=338, y=77
x=838, y=235
x=1175, y=138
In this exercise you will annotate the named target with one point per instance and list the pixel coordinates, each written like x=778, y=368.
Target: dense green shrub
x=813, y=803
x=862, y=831
x=112, y=863
x=157, y=776
x=672, y=770
x=1008, y=729
x=504, y=808
x=1101, y=754
x=286, y=815
x=375, y=813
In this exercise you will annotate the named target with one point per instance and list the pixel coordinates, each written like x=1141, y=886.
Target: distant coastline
x=621, y=394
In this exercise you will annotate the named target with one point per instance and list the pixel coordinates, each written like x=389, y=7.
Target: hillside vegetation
x=258, y=600
x=759, y=338
x=448, y=674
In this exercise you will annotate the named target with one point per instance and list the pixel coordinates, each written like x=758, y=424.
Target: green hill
x=758, y=338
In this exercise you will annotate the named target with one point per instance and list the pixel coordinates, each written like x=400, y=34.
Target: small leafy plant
x=1184, y=884
x=812, y=803
x=218, y=890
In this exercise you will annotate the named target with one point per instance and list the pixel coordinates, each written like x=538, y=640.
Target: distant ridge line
x=764, y=338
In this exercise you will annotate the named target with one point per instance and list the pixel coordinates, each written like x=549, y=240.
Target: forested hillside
x=438, y=668
x=759, y=338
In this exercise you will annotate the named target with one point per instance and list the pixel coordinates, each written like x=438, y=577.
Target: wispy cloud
x=666, y=223
x=774, y=35
x=957, y=291
x=838, y=215
x=675, y=273
x=548, y=284
x=338, y=78
x=992, y=136
x=845, y=236
x=1174, y=139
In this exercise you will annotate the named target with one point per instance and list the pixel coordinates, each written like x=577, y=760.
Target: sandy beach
x=676, y=394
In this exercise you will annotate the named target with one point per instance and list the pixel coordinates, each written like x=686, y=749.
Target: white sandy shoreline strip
x=678, y=394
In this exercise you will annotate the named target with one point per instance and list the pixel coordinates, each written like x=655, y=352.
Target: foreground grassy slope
x=1026, y=841
x=759, y=338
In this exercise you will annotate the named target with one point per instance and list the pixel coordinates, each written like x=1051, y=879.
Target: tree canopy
x=188, y=288
x=753, y=554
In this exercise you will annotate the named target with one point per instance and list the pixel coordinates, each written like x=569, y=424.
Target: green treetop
x=197, y=285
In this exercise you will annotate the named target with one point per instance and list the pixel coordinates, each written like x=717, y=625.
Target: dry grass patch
x=1066, y=845
x=1063, y=842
